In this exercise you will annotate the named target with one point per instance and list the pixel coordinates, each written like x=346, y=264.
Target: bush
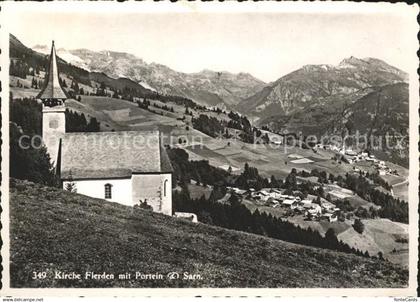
x=143, y=205
x=358, y=226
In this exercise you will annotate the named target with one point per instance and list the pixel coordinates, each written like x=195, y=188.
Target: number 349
x=39, y=275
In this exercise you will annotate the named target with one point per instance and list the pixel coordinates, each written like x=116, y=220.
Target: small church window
x=164, y=187
x=108, y=191
x=53, y=124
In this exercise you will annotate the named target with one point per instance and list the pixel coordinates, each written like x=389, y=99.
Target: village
x=353, y=157
x=290, y=205
x=311, y=207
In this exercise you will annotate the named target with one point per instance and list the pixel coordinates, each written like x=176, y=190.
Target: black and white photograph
x=266, y=146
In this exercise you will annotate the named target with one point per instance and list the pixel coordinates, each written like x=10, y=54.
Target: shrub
x=358, y=226
x=145, y=206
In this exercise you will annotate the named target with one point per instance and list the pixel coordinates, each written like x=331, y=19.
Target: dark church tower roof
x=52, y=88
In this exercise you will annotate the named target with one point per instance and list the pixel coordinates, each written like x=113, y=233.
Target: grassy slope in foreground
x=56, y=230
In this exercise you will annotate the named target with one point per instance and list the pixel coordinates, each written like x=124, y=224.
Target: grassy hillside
x=55, y=230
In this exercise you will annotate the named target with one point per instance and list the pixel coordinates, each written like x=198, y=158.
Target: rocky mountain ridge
x=317, y=83
x=213, y=88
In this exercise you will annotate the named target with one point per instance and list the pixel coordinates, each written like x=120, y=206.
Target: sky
x=266, y=45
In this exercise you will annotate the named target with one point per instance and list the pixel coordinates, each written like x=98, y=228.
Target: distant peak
x=319, y=67
x=208, y=71
x=352, y=61
x=374, y=61
x=40, y=46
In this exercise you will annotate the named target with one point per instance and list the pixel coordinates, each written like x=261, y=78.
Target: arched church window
x=108, y=191
x=164, y=187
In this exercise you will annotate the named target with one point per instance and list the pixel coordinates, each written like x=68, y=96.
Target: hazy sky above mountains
x=267, y=45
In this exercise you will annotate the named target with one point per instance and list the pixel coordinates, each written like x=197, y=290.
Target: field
x=116, y=114
x=23, y=92
x=356, y=201
x=197, y=191
x=53, y=230
x=380, y=235
x=401, y=191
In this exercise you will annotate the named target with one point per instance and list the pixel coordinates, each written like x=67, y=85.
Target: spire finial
x=52, y=88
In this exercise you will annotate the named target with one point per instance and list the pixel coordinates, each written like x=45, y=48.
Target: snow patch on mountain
x=147, y=86
x=63, y=54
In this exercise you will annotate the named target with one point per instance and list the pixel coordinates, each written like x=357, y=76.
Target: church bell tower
x=53, y=110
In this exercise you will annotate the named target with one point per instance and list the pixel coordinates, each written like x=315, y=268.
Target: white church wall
x=150, y=188
x=121, y=190
x=167, y=196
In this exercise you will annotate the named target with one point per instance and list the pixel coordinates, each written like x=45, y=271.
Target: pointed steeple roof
x=52, y=88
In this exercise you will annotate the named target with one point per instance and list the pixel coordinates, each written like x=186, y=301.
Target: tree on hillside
x=230, y=170
x=274, y=183
x=62, y=82
x=34, y=83
x=358, y=226
x=29, y=163
x=19, y=69
x=208, y=125
x=26, y=113
x=75, y=87
x=77, y=123
x=291, y=182
x=93, y=125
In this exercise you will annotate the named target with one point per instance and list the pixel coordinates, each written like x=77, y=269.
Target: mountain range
x=213, y=88
x=307, y=87
x=366, y=95
x=322, y=84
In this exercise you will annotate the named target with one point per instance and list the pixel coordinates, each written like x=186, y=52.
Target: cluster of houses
x=380, y=165
x=383, y=169
x=276, y=198
x=353, y=156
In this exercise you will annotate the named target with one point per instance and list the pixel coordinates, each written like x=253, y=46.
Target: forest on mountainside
x=29, y=159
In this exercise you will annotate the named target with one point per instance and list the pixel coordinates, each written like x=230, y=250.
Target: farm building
x=290, y=203
x=330, y=217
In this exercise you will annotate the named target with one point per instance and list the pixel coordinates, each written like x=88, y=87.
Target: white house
x=187, y=216
x=272, y=202
x=382, y=172
x=290, y=203
x=261, y=195
x=330, y=217
x=128, y=167
x=328, y=206
x=306, y=201
x=351, y=152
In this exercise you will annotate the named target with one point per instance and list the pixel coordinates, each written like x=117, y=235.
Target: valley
x=210, y=123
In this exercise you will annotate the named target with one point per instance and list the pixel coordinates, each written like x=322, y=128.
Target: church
x=127, y=167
